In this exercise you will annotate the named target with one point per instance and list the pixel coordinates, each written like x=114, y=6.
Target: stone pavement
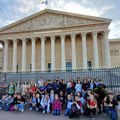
x=32, y=115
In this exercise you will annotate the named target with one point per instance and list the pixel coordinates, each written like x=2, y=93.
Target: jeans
x=67, y=111
x=45, y=109
x=20, y=106
x=56, y=112
x=7, y=107
x=111, y=112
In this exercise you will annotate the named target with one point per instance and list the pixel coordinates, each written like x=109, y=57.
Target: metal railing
x=111, y=77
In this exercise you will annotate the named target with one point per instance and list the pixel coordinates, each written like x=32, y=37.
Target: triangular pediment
x=51, y=19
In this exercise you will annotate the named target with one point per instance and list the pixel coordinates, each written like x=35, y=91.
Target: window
x=68, y=66
x=114, y=52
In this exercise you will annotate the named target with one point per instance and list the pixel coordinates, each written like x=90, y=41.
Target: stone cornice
x=60, y=28
x=114, y=40
x=55, y=33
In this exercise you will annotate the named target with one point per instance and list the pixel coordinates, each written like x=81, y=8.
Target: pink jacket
x=56, y=104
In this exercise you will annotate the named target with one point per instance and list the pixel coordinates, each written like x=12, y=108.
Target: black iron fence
x=111, y=77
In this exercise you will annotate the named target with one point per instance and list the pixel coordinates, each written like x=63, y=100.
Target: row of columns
x=63, y=62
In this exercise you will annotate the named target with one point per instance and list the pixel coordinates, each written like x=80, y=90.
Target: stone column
x=95, y=50
x=24, y=55
x=42, y=53
x=84, y=50
x=63, y=62
x=5, y=62
x=33, y=54
x=107, y=50
x=52, y=52
x=73, y=36
x=14, y=55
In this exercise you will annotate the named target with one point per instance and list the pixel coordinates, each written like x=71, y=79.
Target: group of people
x=74, y=97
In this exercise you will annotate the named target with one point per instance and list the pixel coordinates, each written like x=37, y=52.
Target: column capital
x=83, y=34
x=33, y=39
x=94, y=32
x=94, y=35
x=106, y=32
x=5, y=41
x=73, y=35
x=52, y=37
x=14, y=40
x=24, y=40
x=42, y=37
x=62, y=36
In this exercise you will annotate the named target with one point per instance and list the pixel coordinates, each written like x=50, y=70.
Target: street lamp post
x=17, y=67
x=30, y=66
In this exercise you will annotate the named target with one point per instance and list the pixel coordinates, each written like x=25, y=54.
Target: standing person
x=92, y=85
x=23, y=88
x=33, y=89
x=42, y=88
x=40, y=82
x=110, y=106
x=63, y=86
x=92, y=106
x=85, y=85
x=11, y=88
x=56, y=87
x=69, y=87
x=49, y=86
x=18, y=87
x=78, y=86
x=56, y=105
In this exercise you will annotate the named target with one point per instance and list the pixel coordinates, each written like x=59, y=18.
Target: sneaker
x=37, y=109
x=22, y=110
x=93, y=118
x=43, y=111
x=30, y=108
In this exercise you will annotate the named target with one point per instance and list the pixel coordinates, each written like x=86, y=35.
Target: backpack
x=74, y=112
x=74, y=108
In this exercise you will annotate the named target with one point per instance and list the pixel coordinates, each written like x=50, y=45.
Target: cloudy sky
x=12, y=10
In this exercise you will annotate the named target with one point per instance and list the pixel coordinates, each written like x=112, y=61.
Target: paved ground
x=32, y=115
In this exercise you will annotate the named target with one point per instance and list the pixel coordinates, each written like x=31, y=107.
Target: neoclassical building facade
x=56, y=40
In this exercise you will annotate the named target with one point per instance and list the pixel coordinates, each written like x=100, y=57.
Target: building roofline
x=55, y=12
x=114, y=40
